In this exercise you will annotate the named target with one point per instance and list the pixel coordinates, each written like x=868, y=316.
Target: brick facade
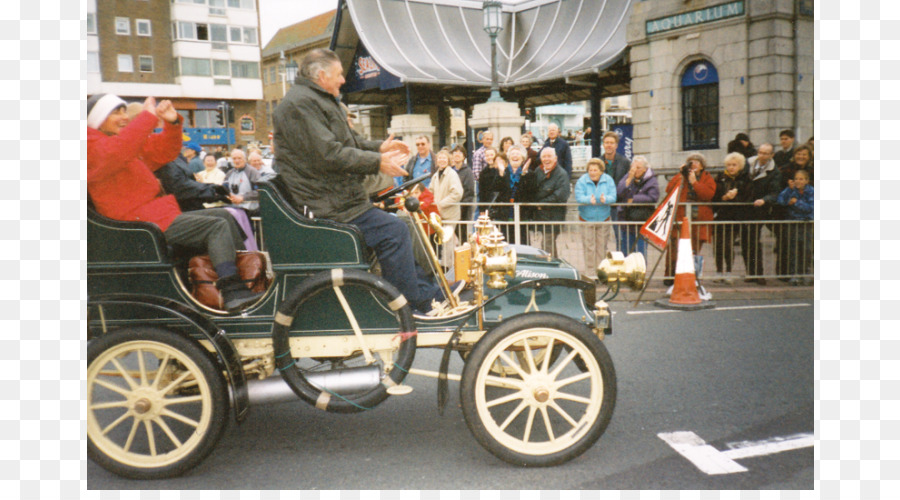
x=158, y=45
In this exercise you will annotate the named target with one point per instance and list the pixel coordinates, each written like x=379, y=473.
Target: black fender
x=227, y=356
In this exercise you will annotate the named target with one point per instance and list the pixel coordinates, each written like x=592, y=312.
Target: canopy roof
x=547, y=47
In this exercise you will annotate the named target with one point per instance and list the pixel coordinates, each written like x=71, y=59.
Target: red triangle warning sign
x=656, y=229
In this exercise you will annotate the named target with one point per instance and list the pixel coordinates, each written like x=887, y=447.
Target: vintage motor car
x=165, y=371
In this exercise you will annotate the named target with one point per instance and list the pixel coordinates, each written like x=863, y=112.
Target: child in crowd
x=799, y=200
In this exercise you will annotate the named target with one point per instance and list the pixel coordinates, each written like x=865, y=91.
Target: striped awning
x=442, y=41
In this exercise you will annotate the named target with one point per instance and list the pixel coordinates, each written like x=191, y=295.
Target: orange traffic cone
x=684, y=292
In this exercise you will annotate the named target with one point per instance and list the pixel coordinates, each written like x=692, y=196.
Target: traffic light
x=221, y=114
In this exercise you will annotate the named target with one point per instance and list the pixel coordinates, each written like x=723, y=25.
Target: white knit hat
x=100, y=106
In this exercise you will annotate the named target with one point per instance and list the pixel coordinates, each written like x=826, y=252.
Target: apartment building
x=197, y=53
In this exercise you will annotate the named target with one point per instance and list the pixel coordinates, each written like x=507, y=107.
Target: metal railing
x=732, y=250
x=752, y=250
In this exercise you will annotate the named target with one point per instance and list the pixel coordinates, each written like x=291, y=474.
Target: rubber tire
x=208, y=370
x=552, y=321
x=293, y=376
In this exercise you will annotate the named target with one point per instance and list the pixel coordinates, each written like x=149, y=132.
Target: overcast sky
x=276, y=14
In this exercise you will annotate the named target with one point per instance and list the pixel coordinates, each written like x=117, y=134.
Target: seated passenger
x=210, y=174
x=122, y=157
x=266, y=173
x=241, y=182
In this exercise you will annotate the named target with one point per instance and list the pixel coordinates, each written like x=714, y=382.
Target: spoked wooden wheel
x=538, y=412
x=156, y=403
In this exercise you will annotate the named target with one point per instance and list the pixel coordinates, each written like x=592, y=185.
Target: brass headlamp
x=498, y=260
x=616, y=268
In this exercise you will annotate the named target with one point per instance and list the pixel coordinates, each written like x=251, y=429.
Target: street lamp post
x=492, y=23
x=291, y=71
x=288, y=72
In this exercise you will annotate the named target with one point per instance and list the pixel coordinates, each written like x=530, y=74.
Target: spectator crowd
x=759, y=188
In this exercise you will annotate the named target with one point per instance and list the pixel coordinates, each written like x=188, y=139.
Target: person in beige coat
x=448, y=191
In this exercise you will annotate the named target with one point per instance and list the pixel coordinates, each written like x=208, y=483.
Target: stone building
x=197, y=53
x=704, y=70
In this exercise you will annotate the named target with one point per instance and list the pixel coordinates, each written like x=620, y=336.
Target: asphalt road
x=742, y=372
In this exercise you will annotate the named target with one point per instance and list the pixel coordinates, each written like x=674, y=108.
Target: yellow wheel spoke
x=182, y=400
x=179, y=417
x=112, y=387
x=529, y=357
x=511, y=383
x=514, y=366
x=504, y=399
x=548, y=353
x=134, y=427
x=161, y=370
x=528, y=424
x=562, y=412
x=162, y=424
x=512, y=416
x=125, y=374
x=150, y=439
x=113, y=404
x=572, y=397
x=547, y=423
x=142, y=368
x=115, y=423
x=571, y=380
x=175, y=382
x=565, y=362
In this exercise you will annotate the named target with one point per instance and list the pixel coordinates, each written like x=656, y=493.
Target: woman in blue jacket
x=595, y=190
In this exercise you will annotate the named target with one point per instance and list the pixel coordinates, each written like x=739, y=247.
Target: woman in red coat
x=121, y=157
x=700, y=186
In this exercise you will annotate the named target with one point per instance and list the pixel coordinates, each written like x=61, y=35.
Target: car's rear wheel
x=367, y=379
x=156, y=403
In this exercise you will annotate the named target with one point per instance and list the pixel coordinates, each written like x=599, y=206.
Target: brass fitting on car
x=602, y=319
x=499, y=259
x=616, y=268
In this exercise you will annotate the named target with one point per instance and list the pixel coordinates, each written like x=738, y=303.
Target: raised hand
x=390, y=144
x=166, y=111
x=392, y=163
x=150, y=105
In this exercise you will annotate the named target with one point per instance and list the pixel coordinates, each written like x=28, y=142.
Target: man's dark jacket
x=563, y=153
x=783, y=157
x=538, y=187
x=178, y=180
x=619, y=167
x=764, y=185
x=468, y=184
x=320, y=159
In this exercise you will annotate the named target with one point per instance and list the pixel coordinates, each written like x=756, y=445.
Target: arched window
x=700, y=106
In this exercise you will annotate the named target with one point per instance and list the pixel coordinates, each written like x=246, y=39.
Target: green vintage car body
x=132, y=258
x=153, y=348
